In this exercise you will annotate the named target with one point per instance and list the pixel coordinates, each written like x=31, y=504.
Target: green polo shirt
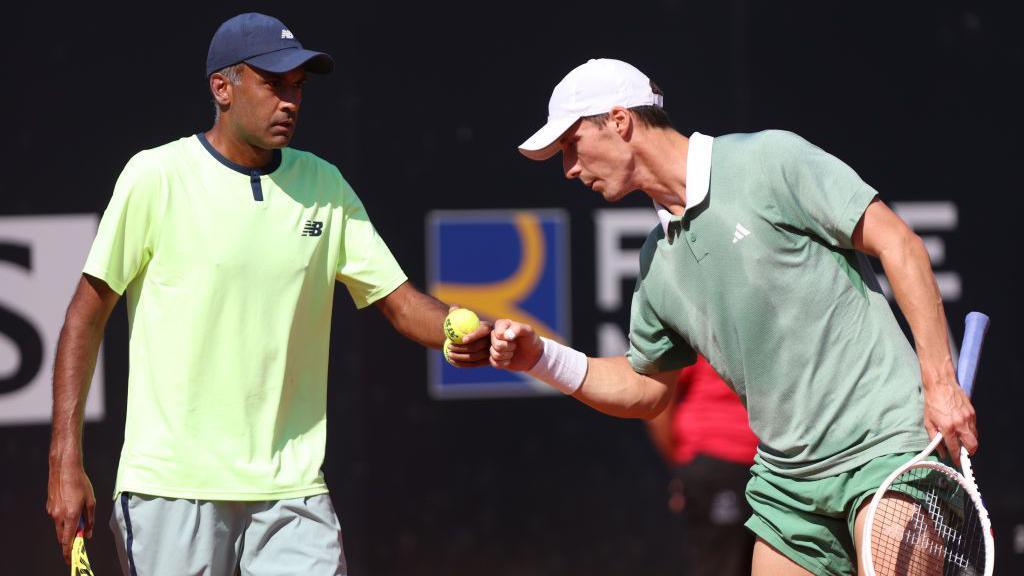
x=229, y=274
x=761, y=278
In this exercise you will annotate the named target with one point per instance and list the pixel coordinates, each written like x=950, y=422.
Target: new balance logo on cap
x=740, y=233
x=313, y=228
x=263, y=42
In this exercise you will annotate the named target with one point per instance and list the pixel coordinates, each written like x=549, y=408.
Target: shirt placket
x=694, y=239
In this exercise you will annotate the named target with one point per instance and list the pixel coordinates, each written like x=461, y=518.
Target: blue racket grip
x=974, y=334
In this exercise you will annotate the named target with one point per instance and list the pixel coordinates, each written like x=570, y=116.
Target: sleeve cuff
x=381, y=291
x=640, y=363
x=102, y=276
x=854, y=211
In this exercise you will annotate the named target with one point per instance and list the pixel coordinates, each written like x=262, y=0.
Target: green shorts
x=811, y=522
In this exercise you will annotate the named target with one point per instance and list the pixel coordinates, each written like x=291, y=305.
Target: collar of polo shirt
x=698, y=176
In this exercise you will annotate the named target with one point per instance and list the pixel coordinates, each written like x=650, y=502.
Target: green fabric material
x=229, y=309
x=812, y=521
x=761, y=278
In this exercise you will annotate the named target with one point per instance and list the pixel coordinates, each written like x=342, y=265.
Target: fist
x=514, y=346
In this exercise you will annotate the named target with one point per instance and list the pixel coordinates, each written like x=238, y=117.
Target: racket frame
x=974, y=334
x=965, y=481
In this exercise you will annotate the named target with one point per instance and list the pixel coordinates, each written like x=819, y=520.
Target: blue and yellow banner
x=500, y=264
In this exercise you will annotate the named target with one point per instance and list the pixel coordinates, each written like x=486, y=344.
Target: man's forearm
x=417, y=316
x=424, y=323
x=612, y=387
x=609, y=385
x=70, y=497
x=946, y=408
x=72, y=374
x=77, y=349
x=909, y=272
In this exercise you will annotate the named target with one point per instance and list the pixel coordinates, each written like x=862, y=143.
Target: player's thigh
x=862, y=487
x=858, y=534
x=176, y=536
x=768, y=561
x=294, y=536
x=904, y=555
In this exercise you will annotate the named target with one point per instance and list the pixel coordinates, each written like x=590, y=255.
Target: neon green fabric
x=761, y=278
x=229, y=276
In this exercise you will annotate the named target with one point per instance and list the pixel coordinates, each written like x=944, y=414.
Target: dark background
x=424, y=112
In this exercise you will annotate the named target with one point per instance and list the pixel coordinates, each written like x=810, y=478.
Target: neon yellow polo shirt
x=229, y=274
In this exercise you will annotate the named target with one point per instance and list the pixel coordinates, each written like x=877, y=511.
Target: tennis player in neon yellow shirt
x=227, y=245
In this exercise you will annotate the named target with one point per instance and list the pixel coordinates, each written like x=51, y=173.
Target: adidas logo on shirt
x=740, y=233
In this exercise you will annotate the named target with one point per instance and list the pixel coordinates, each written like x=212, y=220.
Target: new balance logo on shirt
x=740, y=233
x=313, y=228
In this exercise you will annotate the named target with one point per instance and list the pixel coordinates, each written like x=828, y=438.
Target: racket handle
x=974, y=334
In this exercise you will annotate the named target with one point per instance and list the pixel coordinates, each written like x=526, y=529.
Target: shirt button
x=693, y=237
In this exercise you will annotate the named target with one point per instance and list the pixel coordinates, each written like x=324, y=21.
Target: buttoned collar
x=698, y=177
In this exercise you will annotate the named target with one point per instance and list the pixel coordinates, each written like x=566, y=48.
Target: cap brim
x=289, y=59
x=544, y=143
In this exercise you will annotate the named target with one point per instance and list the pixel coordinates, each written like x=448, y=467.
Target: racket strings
x=926, y=524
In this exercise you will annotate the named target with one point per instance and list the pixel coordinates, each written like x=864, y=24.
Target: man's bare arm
x=610, y=385
x=69, y=493
x=420, y=318
x=883, y=234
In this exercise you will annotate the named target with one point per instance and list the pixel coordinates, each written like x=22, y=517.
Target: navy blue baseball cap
x=263, y=42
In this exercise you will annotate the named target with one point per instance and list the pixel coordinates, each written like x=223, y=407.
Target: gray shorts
x=158, y=536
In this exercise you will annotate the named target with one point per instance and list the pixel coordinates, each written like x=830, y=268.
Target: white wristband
x=560, y=367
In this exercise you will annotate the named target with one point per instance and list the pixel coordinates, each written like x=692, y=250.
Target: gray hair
x=233, y=74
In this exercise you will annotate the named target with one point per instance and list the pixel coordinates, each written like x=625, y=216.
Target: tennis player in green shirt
x=227, y=245
x=757, y=264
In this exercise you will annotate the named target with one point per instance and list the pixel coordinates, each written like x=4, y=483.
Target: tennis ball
x=459, y=323
x=447, y=359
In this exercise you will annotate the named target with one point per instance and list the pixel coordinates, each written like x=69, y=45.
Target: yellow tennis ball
x=447, y=358
x=459, y=323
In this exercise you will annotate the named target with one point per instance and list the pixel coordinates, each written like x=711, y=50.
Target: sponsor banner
x=500, y=264
x=619, y=233
x=41, y=260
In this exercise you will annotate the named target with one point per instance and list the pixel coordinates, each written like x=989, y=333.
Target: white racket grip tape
x=560, y=367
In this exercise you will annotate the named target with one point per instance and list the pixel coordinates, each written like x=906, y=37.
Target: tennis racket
x=927, y=518
x=79, y=559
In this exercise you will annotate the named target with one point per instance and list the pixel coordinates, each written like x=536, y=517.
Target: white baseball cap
x=590, y=89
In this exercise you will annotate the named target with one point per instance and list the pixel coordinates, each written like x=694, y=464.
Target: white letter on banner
x=615, y=264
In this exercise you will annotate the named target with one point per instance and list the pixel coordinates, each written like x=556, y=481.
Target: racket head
x=926, y=520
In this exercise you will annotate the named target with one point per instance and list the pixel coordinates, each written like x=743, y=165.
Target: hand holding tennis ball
x=447, y=350
x=467, y=338
x=460, y=323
